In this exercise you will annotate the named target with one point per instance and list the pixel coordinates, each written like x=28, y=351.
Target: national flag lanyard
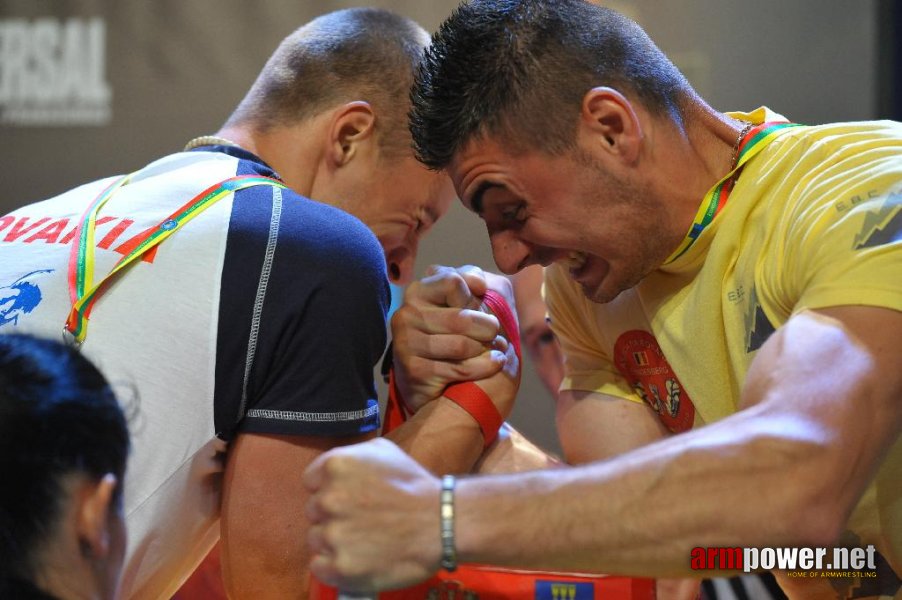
x=751, y=144
x=83, y=292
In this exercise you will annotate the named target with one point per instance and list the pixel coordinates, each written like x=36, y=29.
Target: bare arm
x=591, y=427
x=264, y=527
x=442, y=437
x=819, y=411
x=514, y=453
x=596, y=426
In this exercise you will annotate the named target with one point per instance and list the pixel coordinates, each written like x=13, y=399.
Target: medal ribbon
x=83, y=292
x=750, y=145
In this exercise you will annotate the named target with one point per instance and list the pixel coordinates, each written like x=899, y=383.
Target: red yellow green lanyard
x=751, y=144
x=83, y=292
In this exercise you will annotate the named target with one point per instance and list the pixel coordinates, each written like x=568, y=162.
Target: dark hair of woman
x=63, y=449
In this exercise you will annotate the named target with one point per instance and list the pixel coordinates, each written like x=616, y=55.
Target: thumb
x=475, y=279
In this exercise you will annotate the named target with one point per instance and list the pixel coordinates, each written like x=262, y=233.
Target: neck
x=692, y=159
x=712, y=137
x=292, y=150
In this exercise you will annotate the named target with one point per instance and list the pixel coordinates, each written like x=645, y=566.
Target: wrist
x=479, y=405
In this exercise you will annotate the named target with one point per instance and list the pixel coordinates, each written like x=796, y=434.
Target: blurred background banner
x=90, y=88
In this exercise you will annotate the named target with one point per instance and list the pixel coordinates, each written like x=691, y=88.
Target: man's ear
x=611, y=119
x=352, y=126
x=94, y=506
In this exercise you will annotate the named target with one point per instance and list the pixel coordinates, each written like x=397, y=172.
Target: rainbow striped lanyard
x=83, y=292
x=750, y=145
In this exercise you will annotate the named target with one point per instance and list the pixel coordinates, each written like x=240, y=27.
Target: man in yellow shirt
x=727, y=289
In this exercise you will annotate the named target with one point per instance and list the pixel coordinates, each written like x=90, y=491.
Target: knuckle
x=330, y=535
x=338, y=464
x=399, y=315
x=328, y=503
x=454, y=346
x=417, y=368
x=412, y=291
x=460, y=371
x=349, y=567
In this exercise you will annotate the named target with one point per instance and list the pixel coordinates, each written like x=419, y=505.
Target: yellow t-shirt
x=814, y=220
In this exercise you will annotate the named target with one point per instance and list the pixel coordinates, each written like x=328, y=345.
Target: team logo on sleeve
x=639, y=358
x=20, y=297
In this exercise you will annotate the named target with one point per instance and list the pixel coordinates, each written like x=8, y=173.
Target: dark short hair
x=58, y=416
x=354, y=54
x=519, y=69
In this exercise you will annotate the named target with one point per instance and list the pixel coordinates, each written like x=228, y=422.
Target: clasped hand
x=443, y=334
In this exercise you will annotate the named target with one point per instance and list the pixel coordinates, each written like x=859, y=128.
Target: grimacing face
x=403, y=203
x=569, y=209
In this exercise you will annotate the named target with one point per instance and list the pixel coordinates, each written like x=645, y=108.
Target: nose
x=399, y=262
x=510, y=252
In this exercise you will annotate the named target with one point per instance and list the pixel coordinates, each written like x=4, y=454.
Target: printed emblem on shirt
x=639, y=358
x=20, y=297
x=29, y=229
x=882, y=225
x=564, y=590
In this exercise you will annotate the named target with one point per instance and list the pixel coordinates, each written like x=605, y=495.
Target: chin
x=599, y=294
x=606, y=290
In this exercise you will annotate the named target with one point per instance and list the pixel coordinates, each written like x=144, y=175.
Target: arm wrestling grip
x=468, y=395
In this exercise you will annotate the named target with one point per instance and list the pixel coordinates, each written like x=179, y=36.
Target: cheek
x=391, y=235
x=399, y=250
x=116, y=558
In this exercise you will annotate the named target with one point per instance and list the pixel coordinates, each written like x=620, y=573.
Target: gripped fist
x=442, y=335
x=374, y=515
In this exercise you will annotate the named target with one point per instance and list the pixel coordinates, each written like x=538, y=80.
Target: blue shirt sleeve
x=302, y=319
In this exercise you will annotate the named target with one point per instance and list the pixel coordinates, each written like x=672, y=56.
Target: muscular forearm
x=642, y=513
x=442, y=437
x=819, y=411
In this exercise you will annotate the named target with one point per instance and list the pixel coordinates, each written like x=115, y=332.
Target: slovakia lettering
x=52, y=230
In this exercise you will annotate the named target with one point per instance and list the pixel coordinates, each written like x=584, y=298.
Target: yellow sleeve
x=849, y=252
x=587, y=366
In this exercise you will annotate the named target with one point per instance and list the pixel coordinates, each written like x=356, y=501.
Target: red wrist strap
x=509, y=327
x=472, y=399
x=395, y=414
x=470, y=396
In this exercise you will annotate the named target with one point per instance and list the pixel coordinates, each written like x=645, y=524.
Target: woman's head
x=63, y=449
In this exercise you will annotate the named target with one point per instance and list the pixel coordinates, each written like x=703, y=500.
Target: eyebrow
x=476, y=199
